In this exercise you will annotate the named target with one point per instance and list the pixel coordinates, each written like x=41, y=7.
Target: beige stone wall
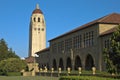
x=28, y=74
x=82, y=52
x=105, y=27
x=33, y=66
x=37, y=34
x=43, y=59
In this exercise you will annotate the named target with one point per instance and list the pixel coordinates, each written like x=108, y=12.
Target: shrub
x=14, y=74
x=84, y=78
x=11, y=65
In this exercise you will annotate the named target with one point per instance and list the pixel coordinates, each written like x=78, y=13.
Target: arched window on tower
x=38, y=19
x=34, y=19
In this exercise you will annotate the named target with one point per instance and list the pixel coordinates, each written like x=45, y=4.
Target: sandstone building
x=80, y=47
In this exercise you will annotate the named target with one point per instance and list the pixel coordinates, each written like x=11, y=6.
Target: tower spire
x=37, y=10
x=37, y=6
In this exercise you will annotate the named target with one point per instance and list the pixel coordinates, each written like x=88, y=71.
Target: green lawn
x=27, y=78
x=54, y=78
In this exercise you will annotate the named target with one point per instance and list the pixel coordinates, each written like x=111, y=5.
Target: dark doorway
x=77, y=62
x=61, y=64
x=69, y=64
x=54, y=64
x=89, y=63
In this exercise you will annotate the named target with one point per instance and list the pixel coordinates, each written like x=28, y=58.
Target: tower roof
x=37, y=10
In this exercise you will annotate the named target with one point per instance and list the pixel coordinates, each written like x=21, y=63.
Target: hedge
x=84, y=78
x=14, y=74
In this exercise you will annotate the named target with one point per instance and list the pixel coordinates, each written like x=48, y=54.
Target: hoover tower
x=37, y=33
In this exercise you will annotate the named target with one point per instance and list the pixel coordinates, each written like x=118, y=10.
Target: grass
x=27, y=78
x=84, y=78
x=84, y=72
x=53, y=78
x=56, y=78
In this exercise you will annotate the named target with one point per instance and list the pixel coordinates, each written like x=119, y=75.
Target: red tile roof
x=113, y=18
x=30, y=59
x=37, y=11
x=44, y=50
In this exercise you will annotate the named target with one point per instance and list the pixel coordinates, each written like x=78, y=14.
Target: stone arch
x=34, y=19
x=77, y=62
x=42, y=66
x=61, y=65
x=54, y=64
x=38, y=19
x=48, y=67
x=89, y=62
x=68, y=63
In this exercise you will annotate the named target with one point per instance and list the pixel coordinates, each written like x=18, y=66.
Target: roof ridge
x=104, y=17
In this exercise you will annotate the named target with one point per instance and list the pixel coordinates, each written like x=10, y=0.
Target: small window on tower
x=34, y=19
x=38, y=19
x=42, y=29
x=38, y=29
x=35, y=29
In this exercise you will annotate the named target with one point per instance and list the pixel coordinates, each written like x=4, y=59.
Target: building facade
x=81, y=47
x=37, y=33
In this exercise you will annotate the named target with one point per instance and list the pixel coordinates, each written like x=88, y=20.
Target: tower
x=37, y=33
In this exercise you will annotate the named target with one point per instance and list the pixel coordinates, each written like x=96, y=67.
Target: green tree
x=3, y=46
x=6, y=52
x=3, y=49
x=112, y=55
x=12, y=65
x=9, y=61
x=11, y=54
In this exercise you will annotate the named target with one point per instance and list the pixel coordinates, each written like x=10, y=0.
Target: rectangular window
x=74, y=42
x=84, y=41
x=68, y=44
x=88, y=39
x=107, y=43
x=92, y=38
x=54, y=48
x=80, y=41
x=60, y=46
x=77, y=41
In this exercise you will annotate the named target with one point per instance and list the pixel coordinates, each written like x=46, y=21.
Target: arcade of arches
x=75, y=64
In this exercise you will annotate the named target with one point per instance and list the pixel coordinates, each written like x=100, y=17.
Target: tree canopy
x=6, y=52
x=9, y=61
x=112, y=55
x=12, y=65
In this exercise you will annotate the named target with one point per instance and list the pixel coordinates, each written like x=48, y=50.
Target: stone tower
x=37, y=33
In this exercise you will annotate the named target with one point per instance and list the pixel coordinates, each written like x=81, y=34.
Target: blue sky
x=61, y=16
